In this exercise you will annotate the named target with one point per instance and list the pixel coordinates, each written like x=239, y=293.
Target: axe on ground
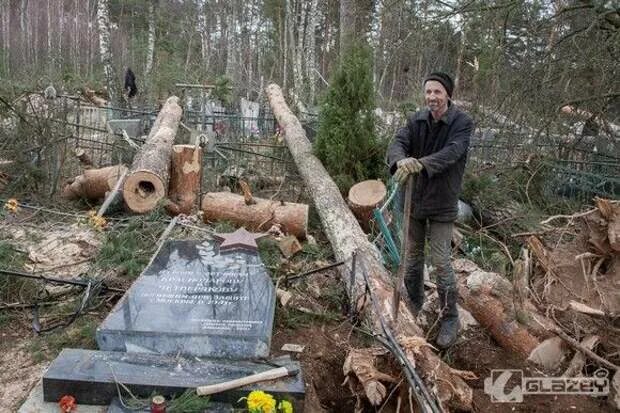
x=271, y=374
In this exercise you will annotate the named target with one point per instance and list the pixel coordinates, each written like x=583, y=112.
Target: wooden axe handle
x=243, y=381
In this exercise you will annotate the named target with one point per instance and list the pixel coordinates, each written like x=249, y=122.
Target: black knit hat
x=444, y=79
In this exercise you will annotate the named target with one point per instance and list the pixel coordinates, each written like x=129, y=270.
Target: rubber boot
x=414, y=282
x=449, y=328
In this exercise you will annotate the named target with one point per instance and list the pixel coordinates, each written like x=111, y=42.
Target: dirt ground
x=477, y=352
x=19, y=372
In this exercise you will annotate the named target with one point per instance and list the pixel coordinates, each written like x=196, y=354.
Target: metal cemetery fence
x=234, y=146
x=577, y=169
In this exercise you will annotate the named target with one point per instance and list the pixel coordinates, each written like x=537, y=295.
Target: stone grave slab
x=192, y=300
x=91, y=376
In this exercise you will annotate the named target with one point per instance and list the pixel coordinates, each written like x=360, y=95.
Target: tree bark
x=226, y=206
x=103, y=23
x=310, y=50
x=93, y=184
x=204, y=37
x=490, y=304
x=185, y=170
x=150, y=44
x=147, y=182
x=347, y=237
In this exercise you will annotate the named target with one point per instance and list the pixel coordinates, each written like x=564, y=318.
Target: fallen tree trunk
x=147, y=181
x=185, y=170
x=93, y=184
x=346, y=238
x=226, y=206
x=488, y=297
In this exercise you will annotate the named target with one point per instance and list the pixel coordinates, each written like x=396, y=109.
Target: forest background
x=523, y=58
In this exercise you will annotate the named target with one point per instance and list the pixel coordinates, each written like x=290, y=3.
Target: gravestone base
x=91, y=376
x=213, y=407
x=173, y=344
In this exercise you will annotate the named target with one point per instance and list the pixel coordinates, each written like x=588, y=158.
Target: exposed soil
x=19, y=372
x=477, y=352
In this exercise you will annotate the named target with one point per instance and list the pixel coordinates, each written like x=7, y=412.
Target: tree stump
x=93, y=184
x=147, y=182
x=226, y=206
x=185, y=170
x=363, y=198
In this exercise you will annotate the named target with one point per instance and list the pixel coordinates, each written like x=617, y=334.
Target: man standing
x=433, y=146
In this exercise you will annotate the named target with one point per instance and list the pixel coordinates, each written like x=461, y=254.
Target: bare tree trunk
x=188, y=56
x=76, y=37
x=298, y=80
x=347, y=24
x=150, y=44
x=50, y=60
x=61, y=25
x=204, y=37
x=89, y=42
x=231, y=45
x=310, y=50
x=23, y=25
x=103, y=22
x=459, y=63
x=285, y=46
x=6, y=36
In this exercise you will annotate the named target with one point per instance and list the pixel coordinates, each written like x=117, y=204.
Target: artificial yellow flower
x=261, y=402
x=97, y=222
x=12, y=205
x=285, y=407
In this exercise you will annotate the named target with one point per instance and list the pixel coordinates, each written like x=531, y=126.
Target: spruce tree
x=346, y=142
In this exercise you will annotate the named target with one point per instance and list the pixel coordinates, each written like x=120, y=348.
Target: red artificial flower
x=67, y=404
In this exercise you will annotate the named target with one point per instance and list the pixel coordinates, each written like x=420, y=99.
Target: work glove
x=405, y=167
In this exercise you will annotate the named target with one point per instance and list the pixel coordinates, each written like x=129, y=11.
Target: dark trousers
x=439, y=235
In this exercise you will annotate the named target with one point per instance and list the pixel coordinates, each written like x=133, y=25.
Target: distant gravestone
x=133, y=127
x=194, y=300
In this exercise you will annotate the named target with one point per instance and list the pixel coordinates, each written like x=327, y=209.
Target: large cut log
x=185, y=170
x=226, y=206
x=363, y=198
x=346, y=238
x=93, y=184
x=147, y=182
x=489, y=297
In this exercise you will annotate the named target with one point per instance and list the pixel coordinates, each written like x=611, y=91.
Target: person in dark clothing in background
x=433, y=146
x=131, y=88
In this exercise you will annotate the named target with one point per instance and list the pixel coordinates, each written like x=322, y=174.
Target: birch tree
x=310, y=49
x=150, y=43
x=103, y=23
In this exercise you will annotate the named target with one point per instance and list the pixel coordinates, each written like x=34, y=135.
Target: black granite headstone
x=192, y=300
x=91, y=376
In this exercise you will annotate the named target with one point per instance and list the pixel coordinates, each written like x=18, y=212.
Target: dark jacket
x=437, y=187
